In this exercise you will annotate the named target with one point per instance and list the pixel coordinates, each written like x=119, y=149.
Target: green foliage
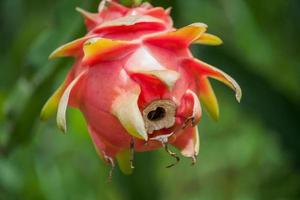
x=251, y=153
x=131, y=2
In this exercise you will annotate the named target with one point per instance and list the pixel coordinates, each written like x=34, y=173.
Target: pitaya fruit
x=137, y=83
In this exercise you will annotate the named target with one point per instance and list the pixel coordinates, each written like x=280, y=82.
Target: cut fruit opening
x=156, y=114
x=159, y=114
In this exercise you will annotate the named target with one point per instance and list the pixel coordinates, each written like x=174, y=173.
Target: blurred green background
x=253, y=152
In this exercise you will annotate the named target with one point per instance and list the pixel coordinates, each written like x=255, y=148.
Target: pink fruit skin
x=136, y=52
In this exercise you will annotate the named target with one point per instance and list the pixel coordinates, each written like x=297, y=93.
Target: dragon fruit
x=137, y=83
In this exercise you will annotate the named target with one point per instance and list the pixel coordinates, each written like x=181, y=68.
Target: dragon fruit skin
x=136, y=82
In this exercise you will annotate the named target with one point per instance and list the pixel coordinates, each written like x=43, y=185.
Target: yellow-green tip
x=124, y=161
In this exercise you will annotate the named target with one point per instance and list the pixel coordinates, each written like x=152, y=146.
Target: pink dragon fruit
x=137, y=83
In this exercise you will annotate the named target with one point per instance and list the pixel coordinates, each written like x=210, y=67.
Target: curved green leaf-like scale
x=50, y=107
x=207, y=97
x=63, y=103
x=124, y=161
x=209, y=39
